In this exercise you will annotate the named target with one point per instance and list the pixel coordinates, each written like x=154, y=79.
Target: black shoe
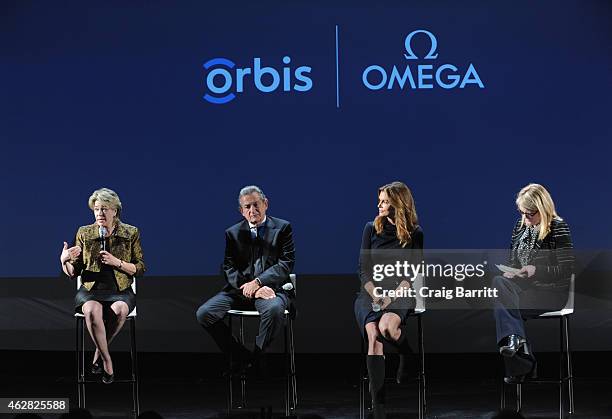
x=259, y=363
x=513, y=344
x=519, y=379
x=523, y=366
x=243, y=362
x=108, y=378
x=96, y=367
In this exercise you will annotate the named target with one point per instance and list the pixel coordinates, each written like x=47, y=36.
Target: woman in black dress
x=106, y=255
x=393, y=235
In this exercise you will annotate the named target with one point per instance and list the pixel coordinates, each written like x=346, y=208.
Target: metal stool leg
x=519, y=397
x=502, y=399
x=82, y=372
x=362, y=382
x=78, y=363
x=422, y=378
x=561, y=362
x=420, y=414
x=288, y=395
x=242, y=376
x=292, y=355
x=78, y=349
x=570, y=371
x=230, y=380
x=134, y=358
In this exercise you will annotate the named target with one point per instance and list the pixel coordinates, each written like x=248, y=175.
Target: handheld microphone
x=102, y=232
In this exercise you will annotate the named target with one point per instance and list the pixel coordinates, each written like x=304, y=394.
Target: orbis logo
x=224, y=81
x=420, y=76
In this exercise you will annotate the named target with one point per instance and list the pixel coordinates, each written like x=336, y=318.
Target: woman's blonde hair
x=404, y=213
x=535, y=197
x=109, y=197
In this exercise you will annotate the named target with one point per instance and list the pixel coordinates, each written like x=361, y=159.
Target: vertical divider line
x=337, y=73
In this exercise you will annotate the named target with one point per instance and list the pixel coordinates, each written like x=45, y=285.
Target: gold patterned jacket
x=124, y=244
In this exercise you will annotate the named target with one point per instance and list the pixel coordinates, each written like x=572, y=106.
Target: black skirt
x=364, y=313
x=104, y=291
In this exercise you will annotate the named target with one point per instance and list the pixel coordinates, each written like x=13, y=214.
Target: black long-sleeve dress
x=379, y=249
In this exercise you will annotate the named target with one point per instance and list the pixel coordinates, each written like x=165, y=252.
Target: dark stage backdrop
x=324, y=102
x=176, y=105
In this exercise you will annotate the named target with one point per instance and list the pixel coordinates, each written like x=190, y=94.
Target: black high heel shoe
x=108, y=378
x=514, y=343
x=96, y=367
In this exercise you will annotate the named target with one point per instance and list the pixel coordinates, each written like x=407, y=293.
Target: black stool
x=565, y=357
x=290, y=396
x=363, y=384
x=80, y=357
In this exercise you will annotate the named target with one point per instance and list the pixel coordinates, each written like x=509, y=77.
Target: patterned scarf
x=526, y=244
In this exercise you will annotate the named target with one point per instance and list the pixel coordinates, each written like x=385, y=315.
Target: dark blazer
x=553, y=256
x=275, y=250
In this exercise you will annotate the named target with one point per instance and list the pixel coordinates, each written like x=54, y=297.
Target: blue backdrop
x=111, y=94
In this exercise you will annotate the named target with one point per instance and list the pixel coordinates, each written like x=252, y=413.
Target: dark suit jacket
x=275, y=250
x=553, y=256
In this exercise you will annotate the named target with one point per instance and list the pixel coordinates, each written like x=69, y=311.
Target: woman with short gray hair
x=106, y=255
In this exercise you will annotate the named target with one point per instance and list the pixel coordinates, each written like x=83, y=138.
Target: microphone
x=102, y=232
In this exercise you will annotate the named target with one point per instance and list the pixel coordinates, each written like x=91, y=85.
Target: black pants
x=211, y=313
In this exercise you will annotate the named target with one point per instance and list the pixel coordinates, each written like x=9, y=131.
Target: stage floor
x=181, y=386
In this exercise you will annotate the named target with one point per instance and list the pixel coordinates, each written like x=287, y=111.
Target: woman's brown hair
x=404, y=213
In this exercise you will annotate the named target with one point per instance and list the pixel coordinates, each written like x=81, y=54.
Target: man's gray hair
x=247, y=190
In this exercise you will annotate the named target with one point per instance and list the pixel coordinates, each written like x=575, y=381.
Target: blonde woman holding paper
x=543, y=262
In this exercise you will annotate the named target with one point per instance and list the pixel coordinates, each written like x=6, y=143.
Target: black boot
x=376, y=375
x=403, y=348
x=402, y=345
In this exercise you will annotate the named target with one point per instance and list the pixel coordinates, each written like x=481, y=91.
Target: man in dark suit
x=259, y=256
